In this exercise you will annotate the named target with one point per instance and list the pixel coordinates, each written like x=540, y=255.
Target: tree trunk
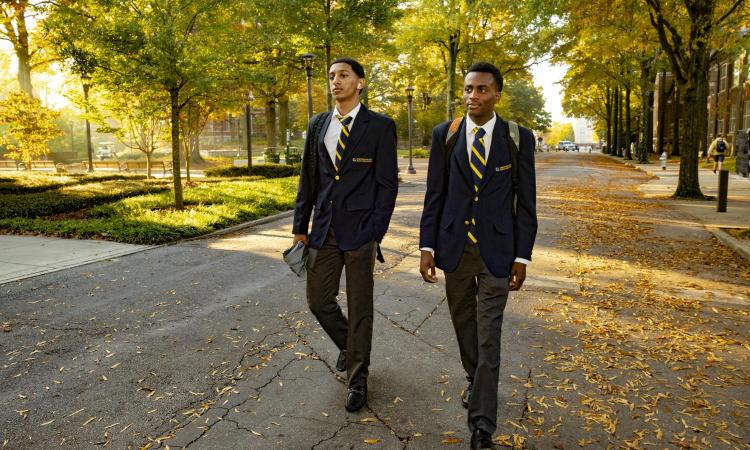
x=647, y=146
x=608, y=107
x=24, y=70
x=195, y=150
x=616, y=120
x=716, y=100
x=662, y=114
x=676, y=130
x=174, y=97
x=148, y=164
x=450, y=107
x=271, y=123
x=283, y=118
x=628, y=130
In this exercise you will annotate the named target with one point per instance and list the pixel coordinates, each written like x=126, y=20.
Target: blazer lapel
x=498, y=148
x=461, y=155
x=359, y=130
x=322, y=150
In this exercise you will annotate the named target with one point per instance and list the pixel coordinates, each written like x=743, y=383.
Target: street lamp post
x=308, y=59
x=249, y=131
x=86, y=81
x=409, y=97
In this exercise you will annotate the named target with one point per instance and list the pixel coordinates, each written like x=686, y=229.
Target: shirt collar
x=353, y=113
x=488, y=127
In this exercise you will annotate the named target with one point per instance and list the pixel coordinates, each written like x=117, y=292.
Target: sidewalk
x=27, y=256
x=737, y=215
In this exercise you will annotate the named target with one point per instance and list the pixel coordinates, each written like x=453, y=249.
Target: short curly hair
x=486, y=67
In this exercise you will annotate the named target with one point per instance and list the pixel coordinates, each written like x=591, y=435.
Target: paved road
x=631, y=330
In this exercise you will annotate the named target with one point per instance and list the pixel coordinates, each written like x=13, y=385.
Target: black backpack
x=312, y=157
x=514, y=144
x=721, y=146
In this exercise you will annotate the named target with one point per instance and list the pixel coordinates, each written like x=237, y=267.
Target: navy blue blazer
x=357, y=201
x=501, y=236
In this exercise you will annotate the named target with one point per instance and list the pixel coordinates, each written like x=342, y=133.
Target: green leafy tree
x=523, y=102
x=29, y=48
x=30, y=127
x=559, y=131
x=140, y=121
x=181, y=48
x=509, y=34
x=692, y=33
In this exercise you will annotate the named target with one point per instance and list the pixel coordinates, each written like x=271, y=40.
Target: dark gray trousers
x=323, y=275
x=476, y=300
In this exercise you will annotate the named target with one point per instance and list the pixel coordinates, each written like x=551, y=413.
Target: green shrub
x=262, y=170
x=152, y=219
x=270, y=155
x=73, y=198
x=28, y=183
x=420, y=153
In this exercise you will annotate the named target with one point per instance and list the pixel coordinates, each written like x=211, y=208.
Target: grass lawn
x=141, y=211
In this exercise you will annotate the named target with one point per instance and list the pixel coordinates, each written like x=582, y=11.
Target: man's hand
x=427, y=267
x=517, y=276
x=300, y=237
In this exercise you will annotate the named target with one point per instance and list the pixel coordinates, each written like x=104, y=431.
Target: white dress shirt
x=334, y=130
x=488, y=127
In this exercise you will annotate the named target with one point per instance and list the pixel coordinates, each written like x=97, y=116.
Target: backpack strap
x=313, y=156
x=514, y=147
x=450, y=141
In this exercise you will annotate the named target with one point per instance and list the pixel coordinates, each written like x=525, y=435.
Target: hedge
x=263, y=170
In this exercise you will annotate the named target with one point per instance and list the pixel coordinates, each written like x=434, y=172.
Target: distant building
x=583, y=130
x=728, y=102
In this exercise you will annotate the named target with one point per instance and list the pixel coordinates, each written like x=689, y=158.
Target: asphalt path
x=209, y=344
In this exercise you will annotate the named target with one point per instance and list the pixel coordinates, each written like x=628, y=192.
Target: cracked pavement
x=209, y=344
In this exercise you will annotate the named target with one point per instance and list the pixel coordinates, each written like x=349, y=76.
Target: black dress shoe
x=466, y=395
x=341, y=362
x=356, y=398
x=481, y=439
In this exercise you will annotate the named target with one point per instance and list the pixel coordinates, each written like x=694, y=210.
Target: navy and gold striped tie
x=477, y=162
x=343, y=139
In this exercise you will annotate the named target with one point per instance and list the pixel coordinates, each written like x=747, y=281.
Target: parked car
x=106, y=150
x=567, y=146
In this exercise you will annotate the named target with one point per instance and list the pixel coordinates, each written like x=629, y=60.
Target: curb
x=239, y=227
x=217, y=233
x=741, y=248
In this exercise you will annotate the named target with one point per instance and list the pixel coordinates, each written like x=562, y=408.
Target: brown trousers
x=323, y=275
x=476, y=300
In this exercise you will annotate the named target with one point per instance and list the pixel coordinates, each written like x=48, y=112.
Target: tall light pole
x=308, y=59
x=409, y=97
x=86, y=81
x=249, y=130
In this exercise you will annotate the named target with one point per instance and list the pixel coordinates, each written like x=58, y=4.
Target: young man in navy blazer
x=471, y=230
x=350, y=192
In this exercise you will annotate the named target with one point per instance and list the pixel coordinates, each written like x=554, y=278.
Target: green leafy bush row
x=152, y=219
x=263, y=170
x=28, y=183
x=74, y=198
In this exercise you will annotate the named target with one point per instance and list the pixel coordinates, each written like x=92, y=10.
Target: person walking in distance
x=348, y=183
x=479, y=225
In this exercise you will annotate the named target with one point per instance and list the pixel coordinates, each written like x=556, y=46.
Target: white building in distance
x=583, y=129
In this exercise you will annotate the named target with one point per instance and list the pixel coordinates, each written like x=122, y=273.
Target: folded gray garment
x=296, y=257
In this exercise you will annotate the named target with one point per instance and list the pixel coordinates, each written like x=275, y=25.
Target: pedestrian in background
x=718, y=150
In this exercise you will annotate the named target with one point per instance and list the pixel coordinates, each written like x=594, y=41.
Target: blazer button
x=466, y=222
x=476, y=199
x=337, y=178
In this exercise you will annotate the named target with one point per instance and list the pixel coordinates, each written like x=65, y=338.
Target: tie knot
x=479, y=132
x=345, y=120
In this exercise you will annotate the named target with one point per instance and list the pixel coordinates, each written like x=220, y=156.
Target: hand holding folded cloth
x=296, y=257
